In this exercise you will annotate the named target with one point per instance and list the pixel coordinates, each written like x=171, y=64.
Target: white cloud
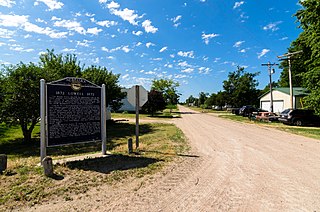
x=126, y=76
x=22, y=22
x=138, y=33
x=263, y=52
x=111, y=5
x=175, y=20
x=13, y=20
x=186, y=54
x=71, y=25
x=52, y=4
x=148, y=27
x=272, y=26
x=20, y=49
x=126, y=15
x=94, y=31
x=107, y=23
x=7, y=3
x=139, y=44
x=284, y=38
x=126, y=49
x=180, y=76
x=4, y=33
x=188, y=70
x=207, y=37
x=204, y=70
x=84, y=43
x=68, y=50
x=238, y=44
x=150, y=73
x=243, y=51
x=238, y=4
x=183, y=64
x=149, y=44
x=163, y=49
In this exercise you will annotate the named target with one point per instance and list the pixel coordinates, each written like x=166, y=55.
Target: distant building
x=126, y=106
x=281, y=99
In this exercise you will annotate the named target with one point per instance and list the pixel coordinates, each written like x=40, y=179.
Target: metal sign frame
x=77, y=83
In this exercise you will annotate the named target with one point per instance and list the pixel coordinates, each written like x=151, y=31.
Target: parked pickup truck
x=299, y=117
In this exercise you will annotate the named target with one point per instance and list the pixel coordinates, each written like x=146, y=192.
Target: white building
x=281, y=99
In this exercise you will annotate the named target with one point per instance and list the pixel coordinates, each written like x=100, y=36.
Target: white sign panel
x=143, y=95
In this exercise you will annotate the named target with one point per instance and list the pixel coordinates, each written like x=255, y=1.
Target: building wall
x=279, y=96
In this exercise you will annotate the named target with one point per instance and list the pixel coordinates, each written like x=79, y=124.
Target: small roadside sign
x=143, y=95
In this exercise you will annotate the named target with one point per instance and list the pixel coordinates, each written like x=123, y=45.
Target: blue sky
x=194, y=42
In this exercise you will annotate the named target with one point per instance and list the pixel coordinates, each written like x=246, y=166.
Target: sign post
x=43, y=143
x=137, y=96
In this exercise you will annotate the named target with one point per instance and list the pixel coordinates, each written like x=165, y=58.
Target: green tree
x=240, y=88
x=155, y=102
x=298, y=66
x=99, y=76
x=190, y=100
x=21, y=102
x=308, y=17
x=211, y=100
x=60, y=66
x=168, y=88
x=202, y=97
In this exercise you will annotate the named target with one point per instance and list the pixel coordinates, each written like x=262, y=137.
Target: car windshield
x=285, y=111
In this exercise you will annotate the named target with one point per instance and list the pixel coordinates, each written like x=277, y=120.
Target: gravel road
x=231, y=167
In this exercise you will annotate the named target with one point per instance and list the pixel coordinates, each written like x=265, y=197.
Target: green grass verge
x=311, y=132
x=23, y=183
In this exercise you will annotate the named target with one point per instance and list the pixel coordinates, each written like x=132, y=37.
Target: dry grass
x=23, y=183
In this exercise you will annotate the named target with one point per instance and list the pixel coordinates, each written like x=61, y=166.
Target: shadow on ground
x=112, y=163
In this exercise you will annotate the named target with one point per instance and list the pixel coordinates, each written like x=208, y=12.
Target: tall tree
x=240, y=88
x=190, y=99
x=169, y=89
x=60, y=66
x=99, y=76
x=310, y=23
x=155, y=102
x=202, y=97
x=21, y=102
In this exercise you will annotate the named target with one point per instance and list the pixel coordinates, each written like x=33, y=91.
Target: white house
x=281, y=99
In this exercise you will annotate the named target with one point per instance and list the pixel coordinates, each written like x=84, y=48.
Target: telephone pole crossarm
x=270, y=83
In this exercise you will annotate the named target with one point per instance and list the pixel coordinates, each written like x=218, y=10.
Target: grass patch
x=23, y=183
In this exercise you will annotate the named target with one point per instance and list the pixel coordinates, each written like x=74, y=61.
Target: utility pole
x=287, y=56
x=270, y=71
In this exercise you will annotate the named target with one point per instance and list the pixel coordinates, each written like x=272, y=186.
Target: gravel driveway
x=231, y=167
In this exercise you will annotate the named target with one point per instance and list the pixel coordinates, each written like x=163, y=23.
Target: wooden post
x=130, y=148
x=137, y=116
x=3, y=162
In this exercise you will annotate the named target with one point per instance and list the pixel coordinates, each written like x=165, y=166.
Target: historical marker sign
x=73, y=111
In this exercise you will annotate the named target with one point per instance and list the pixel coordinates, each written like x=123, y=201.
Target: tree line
x=20, y=88
x=241, y=88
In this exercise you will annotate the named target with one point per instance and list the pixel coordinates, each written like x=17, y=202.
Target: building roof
x=297, y=91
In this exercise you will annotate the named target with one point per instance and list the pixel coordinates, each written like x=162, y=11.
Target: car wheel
x=298, y=123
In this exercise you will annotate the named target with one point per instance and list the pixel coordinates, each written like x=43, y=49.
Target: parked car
x=248, y=110
x=299, y=117
x=267, y=116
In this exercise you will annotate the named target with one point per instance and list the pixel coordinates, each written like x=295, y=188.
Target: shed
x=281, y=99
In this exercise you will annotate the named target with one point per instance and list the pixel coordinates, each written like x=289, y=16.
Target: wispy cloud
x=262, y=53
x=272, y=26
x=7, y=3
x=189, y=54
x=163, y=49
x=52, y=4
x=238, y=44
x=208, y=37
x=188, y=70
x=125, y=49
x=138, y=33
x=149, y=44
x=175, y=20
x=107, y=23
x=238, y=4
